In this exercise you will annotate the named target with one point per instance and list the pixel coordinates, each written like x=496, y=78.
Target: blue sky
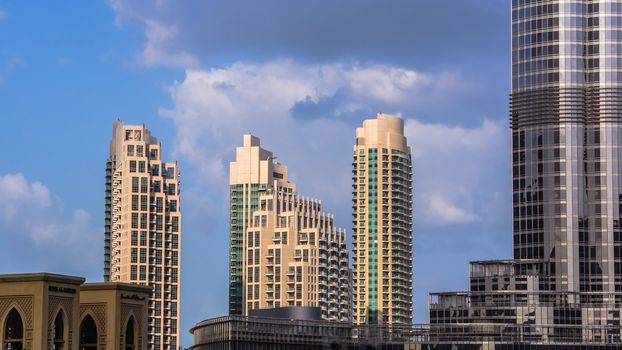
x=300, y=75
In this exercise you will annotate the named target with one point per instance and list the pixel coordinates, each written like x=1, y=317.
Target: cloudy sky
x=300, y=75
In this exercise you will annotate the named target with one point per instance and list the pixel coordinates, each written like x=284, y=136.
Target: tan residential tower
x=285, y=251
x=382, y=220
x=143, y=227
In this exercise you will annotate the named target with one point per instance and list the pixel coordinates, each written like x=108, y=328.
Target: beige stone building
x=284, y=250
x=143, y=226
x=48, y=311
x=382, y=217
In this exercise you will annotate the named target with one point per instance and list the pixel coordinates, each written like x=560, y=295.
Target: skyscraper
x=566, y=137
x=565, y=281
x=284, y=250
x=382, y=218
x=142, y=226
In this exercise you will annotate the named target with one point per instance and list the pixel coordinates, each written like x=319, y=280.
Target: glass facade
x=565, y=116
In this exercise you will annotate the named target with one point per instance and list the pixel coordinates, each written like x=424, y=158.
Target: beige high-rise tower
x=143, y=227
x=382, y=217
x=284, y=250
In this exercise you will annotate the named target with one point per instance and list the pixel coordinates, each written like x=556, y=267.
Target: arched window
x=13, y=332
x=130, y=335
x=59, y=331
x=88, y=334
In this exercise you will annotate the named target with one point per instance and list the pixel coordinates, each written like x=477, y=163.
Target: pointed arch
x=13, y=330
x=89, y=333
x=60, y=330
x=131, y=333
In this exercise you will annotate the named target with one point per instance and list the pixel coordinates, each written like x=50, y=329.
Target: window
x=156, y=186
x=143, y=255
x=132, y=166
x=134, y=257
x=174, y=276
x=159, y=205
x=171, y=190
x=130, y=150
x=172, y=205
x=153, y=154
x=139, y=151
x=134, y=202
x=130, y=339
x=143, y=238
x=170, y=173
x=134, y=185
x=174, y=309
x=159, y=222
x=13, y=331
x=134, y=237
x=141, y=166
x=143, y=272
x=133, y=272
x=88, y=334
x=59, y=331
x=144, y=185
x=155, y=170
x=143, y=220
x=175, y=223
x=143, y=202
x=134, y=220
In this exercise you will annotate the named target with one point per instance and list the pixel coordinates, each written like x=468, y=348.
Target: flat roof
x=41, y=277
x=122, y=286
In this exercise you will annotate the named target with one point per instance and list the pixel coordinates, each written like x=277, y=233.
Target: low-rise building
x=50, y=311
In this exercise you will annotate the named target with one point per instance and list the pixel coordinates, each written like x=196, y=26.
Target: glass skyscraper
x=566, y=106
x=565, y=281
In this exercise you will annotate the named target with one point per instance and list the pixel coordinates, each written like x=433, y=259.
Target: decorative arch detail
x=24, y=306
x=134, y=311
x=88, y=333
x=56, y=305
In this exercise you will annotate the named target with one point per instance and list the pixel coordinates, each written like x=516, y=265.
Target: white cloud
x=448, y=213
x=457, y=172
x=155, y=51
x=39, y=233
x=213, y=108
x=160, y=37
x=17, y=191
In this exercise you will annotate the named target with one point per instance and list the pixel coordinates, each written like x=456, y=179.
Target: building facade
x=50, y=311
x=289, y=252
x=143, y=226
x=287, y=331
x=566, y=277
x=382, y=220
x=566, y=137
